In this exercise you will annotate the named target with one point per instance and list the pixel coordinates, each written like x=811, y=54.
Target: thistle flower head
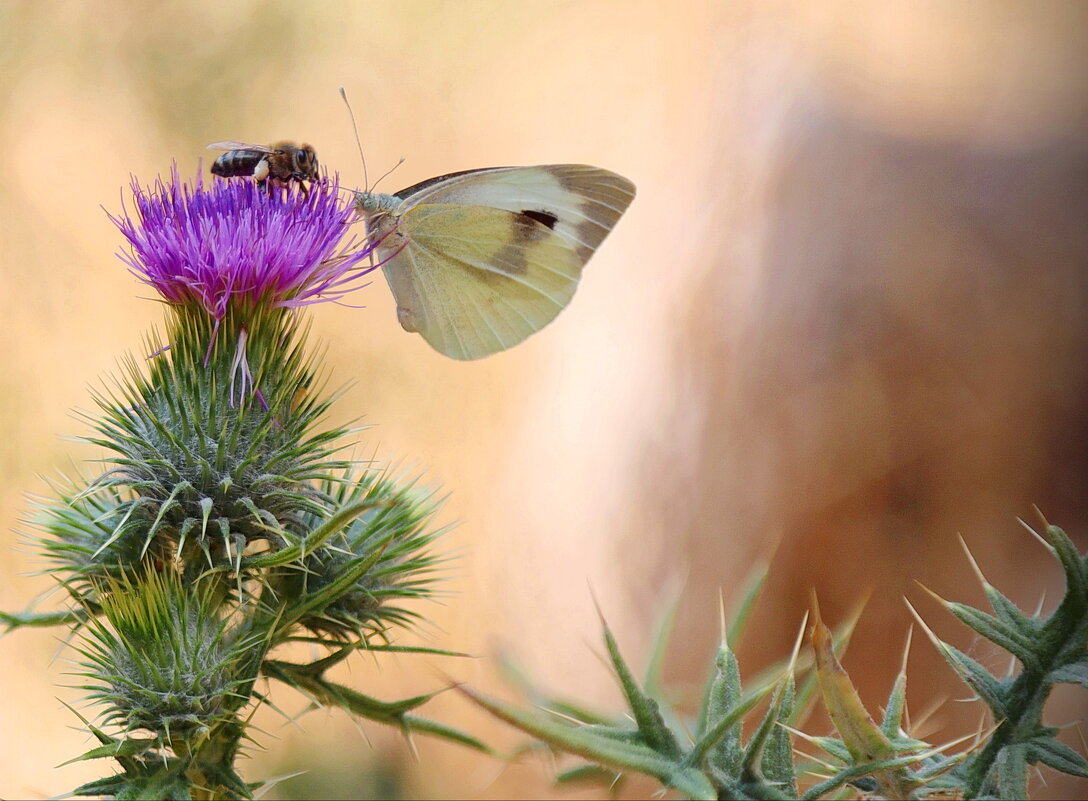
x=227, y=521
x=235, y=245
x=377, y=563
x=164, y=660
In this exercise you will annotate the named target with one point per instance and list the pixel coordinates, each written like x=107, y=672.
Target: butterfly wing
x=481, y=260
x=473, y=280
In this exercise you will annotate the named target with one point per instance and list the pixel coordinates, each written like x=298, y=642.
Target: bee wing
x=242, y=146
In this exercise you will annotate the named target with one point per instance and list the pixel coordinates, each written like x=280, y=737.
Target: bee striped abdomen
x=236, y=163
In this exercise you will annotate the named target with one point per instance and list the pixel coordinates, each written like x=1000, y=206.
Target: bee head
x=305, y=159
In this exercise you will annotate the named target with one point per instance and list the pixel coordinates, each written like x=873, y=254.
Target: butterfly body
x=375, y=202
x=479, y=260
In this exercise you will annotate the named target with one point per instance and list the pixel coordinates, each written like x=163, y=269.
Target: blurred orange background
x=843, y=323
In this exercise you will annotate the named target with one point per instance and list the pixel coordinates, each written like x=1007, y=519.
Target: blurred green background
x=843, y=322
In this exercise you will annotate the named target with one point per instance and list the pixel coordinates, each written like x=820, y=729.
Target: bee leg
x=260, y=172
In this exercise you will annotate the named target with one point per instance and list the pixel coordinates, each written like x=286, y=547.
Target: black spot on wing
x=545, y=218
x=529, y=227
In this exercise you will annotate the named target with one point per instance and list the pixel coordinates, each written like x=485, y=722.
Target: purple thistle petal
x=234, y=244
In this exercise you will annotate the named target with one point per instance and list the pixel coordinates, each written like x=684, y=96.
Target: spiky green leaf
x=1076, y=573
x=896, y=706
x=1010, y=614
x=606, y=751
x=645, y=710
x=588, y=774
x=724, y=691
x=988, y=688
x=777, y=761
x=1002, y=634
x=728, y=720
x=1073, y=673
x=1057, y=755
x=132, y=746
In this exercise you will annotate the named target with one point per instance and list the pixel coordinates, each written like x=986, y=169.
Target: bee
x=268, y=166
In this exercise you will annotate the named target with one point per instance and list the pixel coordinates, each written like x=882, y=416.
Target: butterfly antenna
x=388, y=172
x=358, y=143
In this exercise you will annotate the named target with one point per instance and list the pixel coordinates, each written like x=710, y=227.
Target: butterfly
x=479, y=260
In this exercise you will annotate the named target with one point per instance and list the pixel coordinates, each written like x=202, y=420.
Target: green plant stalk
x=1028, y=692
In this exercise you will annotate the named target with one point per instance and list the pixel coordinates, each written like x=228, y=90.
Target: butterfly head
x=371, y=203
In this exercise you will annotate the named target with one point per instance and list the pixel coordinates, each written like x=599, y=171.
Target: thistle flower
x=235, y=245
x=222, y=529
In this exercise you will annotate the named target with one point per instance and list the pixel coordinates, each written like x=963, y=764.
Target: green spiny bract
x=87, y=539
x=214, y=446
x=164, y=661
x=223, y=526
x=380, y=560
